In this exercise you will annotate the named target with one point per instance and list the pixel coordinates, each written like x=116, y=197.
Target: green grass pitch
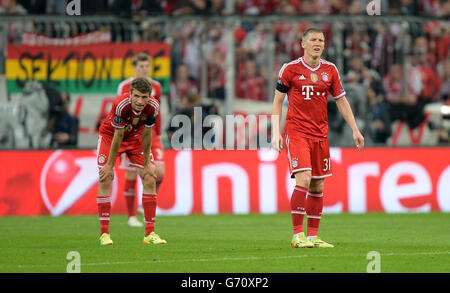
x=407, y=243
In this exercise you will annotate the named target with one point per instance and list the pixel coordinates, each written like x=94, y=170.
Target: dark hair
x=142, y=56
x=142, y=85
x=311, y=30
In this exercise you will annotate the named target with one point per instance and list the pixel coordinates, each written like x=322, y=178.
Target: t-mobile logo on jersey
x=307, y=90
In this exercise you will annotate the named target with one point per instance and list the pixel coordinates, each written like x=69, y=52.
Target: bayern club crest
x=325, y=77
x=294, y=163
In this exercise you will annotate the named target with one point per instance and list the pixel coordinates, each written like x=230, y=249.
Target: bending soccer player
x=141, y=67
x=128, y=129
x=308, y=81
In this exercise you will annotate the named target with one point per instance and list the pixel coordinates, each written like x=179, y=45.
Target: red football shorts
x=132, y=148
x=308, y=154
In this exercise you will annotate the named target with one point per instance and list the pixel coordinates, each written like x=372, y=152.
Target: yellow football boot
x=105, y=239
x=320, y=243
x=300, y=241
x=154, y=238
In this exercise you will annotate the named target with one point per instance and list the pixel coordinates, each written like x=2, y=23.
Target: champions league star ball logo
x=70, y=182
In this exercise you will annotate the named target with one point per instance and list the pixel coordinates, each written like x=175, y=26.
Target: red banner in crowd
x=210, y=182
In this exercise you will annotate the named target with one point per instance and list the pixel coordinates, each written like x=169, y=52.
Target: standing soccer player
x=307, y=81
x=141, y=67
x=128, y=129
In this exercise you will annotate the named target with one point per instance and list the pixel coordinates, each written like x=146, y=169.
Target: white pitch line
x=228, y=259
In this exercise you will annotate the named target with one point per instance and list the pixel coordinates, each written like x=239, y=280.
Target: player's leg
x=157, y=153
x=130, y=191
x=104, y=192
x=314, y=206
x=148, y=198
x=300, y=168
x=314, y=200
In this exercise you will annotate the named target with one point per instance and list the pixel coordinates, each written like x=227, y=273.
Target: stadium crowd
x=397, y=78
x=139, y=8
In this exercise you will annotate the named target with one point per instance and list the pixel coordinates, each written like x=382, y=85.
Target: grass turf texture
x=253, y=243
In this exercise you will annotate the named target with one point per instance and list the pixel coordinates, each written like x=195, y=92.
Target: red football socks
x=130, y=196
x=314, y=206
x=298, y=208
x=104, y=212
x=149, y=205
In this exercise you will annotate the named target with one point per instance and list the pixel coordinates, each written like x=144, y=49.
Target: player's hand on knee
x=150, y=170
x=106, y=172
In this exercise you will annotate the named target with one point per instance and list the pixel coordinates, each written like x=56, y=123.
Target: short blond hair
x=311, y=30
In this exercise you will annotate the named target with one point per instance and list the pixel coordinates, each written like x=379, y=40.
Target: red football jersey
x=124, y=89
x=123, y=116
x=307, y=89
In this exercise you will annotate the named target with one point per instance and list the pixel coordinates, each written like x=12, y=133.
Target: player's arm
x=107, y=169
x=347, y=114
x=277, y=111
x=147, y=144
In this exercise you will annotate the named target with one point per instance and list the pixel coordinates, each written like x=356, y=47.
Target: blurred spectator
x=15, y=28
x=395, y=94
x=35, y=104
x=357, y=43
x=407, y=101
x=308, y=7
x=56, y=7
x=428, y=77
x=438, y=44
x=247, y=7
x=251, y=85
x=337, y=6
x=378, y=112
x=355, y=7
x=11, y=7
x=216, y=74
x=192, y=7
x=217, y=7
x=288, y=7
x=429, y=7
x=408, y=7
x=383, y=49
x=181, y=87
x=444, y=9
x=64, y=126
x=444, y=74
x=191, y=49
x=137, y=10
x=359, y=73
x=34, y=6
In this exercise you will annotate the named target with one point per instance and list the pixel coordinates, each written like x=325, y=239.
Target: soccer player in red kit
x=308, y=81
x=128, y=129
x=141, y=67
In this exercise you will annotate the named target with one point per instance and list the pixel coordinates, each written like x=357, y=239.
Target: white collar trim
x=309, y=67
